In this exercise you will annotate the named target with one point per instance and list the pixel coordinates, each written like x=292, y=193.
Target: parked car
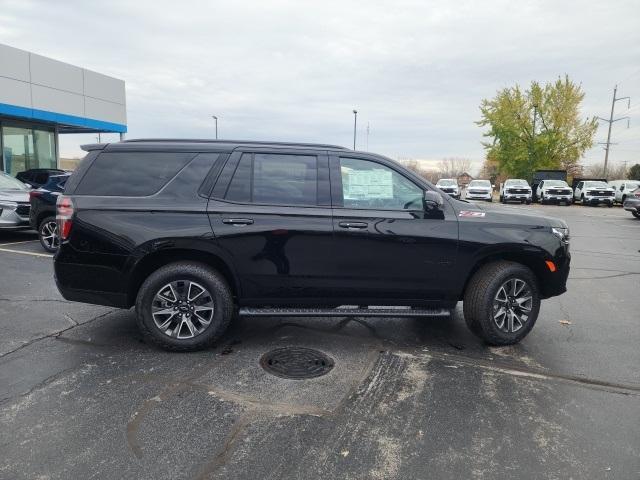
x=43, y=211
x=14, y=203
x=36, y=177
x=632, y=203
x=540, y=175
x=191, y=232
x=480, y=190
x=449, y=186
x=623, y=188
x=515, y=189
x=557, y=191
x=594, y=192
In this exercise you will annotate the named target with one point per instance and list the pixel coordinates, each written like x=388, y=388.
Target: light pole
x=355, y=123
x=216, y=120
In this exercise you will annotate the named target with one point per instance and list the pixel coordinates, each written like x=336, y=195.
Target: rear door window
x=275, y=179
x=131, y=174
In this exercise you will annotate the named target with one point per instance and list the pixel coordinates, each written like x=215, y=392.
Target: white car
x=554, y=191
x=14, y=203
x=479, y=190
x=515, y=190
x=450, y=186
x=623, y=188
x=594, y=192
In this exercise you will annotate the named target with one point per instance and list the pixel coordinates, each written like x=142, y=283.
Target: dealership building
x=42, y=98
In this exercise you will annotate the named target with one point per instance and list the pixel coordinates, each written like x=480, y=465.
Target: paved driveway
x=81, y=396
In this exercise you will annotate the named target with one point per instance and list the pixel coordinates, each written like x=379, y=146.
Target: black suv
x=194, y=232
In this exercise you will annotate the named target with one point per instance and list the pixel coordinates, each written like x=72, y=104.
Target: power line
x=611, y=121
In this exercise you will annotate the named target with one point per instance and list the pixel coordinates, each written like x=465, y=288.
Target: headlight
x=8, y=205
x=561, y=233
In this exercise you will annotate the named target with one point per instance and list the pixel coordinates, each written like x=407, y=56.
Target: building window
x=27, y=148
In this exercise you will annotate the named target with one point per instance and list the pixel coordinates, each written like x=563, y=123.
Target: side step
x=344, y=312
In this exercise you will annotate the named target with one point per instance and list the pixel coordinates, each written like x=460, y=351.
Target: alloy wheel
x=512, y=305
x=182, y=309
x=49, y=235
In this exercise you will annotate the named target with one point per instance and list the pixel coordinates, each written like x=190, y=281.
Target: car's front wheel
x=48, y=234
x=502, y=302
x=184, y=306
x=636, y=214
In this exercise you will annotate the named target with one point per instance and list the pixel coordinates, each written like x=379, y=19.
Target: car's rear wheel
x=184, y=306
x=48, y=234
x=502, y=302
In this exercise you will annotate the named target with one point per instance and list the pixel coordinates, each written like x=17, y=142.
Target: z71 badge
x=470, y=213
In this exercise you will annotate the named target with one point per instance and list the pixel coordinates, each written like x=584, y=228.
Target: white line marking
x=26, y=253
x=17, y=243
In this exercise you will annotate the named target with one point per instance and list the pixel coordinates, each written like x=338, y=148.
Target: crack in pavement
x=56, y=333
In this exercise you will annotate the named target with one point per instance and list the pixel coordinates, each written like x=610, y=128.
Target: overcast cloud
x=294, y=70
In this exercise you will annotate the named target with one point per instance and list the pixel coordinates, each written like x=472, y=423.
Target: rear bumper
x=109, y=299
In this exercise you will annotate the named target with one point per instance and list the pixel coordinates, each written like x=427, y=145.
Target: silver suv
x=14, y=203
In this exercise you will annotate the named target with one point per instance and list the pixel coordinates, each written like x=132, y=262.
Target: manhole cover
x=296, y=362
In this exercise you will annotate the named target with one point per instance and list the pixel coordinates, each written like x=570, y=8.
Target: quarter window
x=274, y=179
x=370, y=185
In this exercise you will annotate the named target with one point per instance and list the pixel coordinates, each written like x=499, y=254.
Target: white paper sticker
x=367, y=184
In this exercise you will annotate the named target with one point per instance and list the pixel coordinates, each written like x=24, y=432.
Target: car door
x=578, y=191
x=388, y=249
x=271, y=213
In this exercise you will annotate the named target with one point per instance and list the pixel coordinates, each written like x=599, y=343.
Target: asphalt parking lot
x=82, y=397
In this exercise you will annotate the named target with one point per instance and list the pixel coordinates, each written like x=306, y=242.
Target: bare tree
x=614, y=171
x=453, y=166
x=414, y=166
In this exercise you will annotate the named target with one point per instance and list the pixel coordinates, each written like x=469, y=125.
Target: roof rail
x=240, y=142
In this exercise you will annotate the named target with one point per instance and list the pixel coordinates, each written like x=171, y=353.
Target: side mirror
x=433, y=201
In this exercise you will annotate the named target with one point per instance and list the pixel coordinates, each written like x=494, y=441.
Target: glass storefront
x=26, y=147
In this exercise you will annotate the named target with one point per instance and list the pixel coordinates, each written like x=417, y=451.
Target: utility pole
x=533, y=140
x=611, y=120
x=355, y=123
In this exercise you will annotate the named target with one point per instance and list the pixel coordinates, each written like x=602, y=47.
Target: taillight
x=64, y=216
x=637, y=194
x=34, y=193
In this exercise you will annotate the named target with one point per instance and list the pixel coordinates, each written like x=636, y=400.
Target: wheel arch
x=533, y=260
x=151, y=262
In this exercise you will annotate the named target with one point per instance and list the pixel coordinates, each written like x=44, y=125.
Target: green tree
x=634, y=172
x=539, y=128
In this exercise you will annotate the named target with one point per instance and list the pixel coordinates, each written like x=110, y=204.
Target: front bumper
x=10, y=220
x=516, y=196
x=598, y=200
x=559, y=198
x=632, y=205
x=478, y=196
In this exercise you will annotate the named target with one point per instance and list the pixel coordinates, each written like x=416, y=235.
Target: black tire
x=624, y=197
x=217, y=290
x=479, y=301
x=610, y=204
x=528, y=202
x=636, y=214
x=502, y=200
x=584, y=204
x=48, y=234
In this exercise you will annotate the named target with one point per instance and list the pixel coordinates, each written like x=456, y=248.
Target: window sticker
x=367, y=184
x=470, y=213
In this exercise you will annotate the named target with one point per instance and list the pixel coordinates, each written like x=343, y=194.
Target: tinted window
x=370, y=185
x=240, y=187
x=133, y=174
x=274, y=179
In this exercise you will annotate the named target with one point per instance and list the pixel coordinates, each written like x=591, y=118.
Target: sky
x=416, y=71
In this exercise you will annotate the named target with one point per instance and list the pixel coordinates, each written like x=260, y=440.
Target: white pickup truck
x=557, y=191
x=594, y=192
x=515, y=190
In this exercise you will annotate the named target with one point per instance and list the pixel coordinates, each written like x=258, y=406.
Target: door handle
x=238, y=221
x=358, y=225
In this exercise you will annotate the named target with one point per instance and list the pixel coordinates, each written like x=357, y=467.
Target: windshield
x=517, y=182
x=7, y=182
x=480, y=183
x=555, y=183
x=447, y=182
x=596, y=184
